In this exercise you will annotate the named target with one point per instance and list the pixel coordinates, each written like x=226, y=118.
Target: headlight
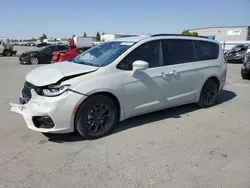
x=55, y=90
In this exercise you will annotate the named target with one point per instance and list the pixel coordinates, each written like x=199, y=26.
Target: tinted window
x=150, y=52
x=81, y=50
x=48, y=49
x=206, y=50
x=177, y=51
x=61, y=48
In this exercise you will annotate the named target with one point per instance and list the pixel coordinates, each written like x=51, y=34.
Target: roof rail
x=158, y=35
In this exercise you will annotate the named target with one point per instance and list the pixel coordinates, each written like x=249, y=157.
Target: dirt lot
x=181, y=147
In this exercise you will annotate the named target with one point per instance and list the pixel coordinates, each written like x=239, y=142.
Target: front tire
x=96, y=117
x=208, y=94
x=34, y=61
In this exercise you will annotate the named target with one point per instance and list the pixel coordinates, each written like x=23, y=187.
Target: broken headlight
x=55, y=90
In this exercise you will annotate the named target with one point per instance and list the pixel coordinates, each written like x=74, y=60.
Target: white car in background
x=120, y=79
x=6, y=48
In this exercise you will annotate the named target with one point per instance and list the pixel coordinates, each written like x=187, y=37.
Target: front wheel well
x=111, y=96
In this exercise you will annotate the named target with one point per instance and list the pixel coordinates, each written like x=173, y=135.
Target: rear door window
x=206, y=50
x=49, y=49
x=178, y=51
x=61, y=48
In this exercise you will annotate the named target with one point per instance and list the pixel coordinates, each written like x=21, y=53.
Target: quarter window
x=178, y=51
x=151, y=52
x=206, y=50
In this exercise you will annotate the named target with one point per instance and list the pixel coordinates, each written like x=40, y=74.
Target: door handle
x=163, y=74
x=174, y=72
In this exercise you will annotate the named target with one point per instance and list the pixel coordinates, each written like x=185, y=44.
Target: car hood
x=28, y=52
x=53, y=73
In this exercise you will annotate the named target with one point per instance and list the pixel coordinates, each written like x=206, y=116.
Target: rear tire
x=208, y=94
x=96, y=117
x=7, y=53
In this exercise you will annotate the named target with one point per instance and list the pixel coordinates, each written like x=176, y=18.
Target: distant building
x=108, y=37
x=227, y=33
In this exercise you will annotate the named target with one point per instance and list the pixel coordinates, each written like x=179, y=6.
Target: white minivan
x=120, y=79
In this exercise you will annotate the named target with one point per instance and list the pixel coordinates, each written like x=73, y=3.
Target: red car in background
x=68, y=54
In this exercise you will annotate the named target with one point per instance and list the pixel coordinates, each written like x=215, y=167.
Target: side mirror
x=139, y=65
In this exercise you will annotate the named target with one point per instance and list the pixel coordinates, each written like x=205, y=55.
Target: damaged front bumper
x=49, y=114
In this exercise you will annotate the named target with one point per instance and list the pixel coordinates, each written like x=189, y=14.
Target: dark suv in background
x=237, y=53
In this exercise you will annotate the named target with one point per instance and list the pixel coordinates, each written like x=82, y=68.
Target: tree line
x=98, y=36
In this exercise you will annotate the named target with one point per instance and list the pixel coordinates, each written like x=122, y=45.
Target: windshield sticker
x=127, y=43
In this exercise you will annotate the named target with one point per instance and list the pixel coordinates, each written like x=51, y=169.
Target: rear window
x=206, y=50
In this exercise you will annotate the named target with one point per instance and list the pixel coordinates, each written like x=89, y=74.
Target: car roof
x=132, y=39
x=180, y=36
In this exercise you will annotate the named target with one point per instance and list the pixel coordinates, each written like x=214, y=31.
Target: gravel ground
x=181, y=147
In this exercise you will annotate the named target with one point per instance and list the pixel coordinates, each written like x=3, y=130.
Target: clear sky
x=32, y=18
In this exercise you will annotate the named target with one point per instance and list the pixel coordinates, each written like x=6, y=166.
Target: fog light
x=43, y=122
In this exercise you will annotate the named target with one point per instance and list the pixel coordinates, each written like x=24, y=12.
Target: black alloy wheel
x=99, y=118
x=208, y=93
x=96, y=117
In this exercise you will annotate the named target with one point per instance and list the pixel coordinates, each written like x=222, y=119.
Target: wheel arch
x=213, y=77
x=107, y=94
x=113, y=97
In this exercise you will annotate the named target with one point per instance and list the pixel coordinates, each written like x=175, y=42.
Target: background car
x=42, y=55
x=42, y=44
x=68, y=54
x=245, y=70
x=237, y=53
x=6, y=48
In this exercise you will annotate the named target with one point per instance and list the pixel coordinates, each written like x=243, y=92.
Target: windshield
x=237, y=47
x=103, y=54
x=42, y=48
x=46, y=48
